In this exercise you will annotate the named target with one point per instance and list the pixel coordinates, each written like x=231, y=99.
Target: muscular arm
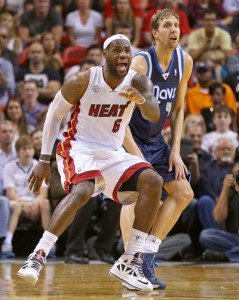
x=150, y=109
x=177, y=113
x=72, y=90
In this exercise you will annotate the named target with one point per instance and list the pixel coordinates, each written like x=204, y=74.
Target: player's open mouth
x=121, y=66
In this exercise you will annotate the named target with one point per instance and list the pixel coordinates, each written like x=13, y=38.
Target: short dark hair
x=216, y=85
x=220, y=108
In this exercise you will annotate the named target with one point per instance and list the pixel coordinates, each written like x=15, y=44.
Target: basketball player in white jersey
x=92, y=160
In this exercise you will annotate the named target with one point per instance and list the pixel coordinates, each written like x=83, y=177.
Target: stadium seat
x=73, y=55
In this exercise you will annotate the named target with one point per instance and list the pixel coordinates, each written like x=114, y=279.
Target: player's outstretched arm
x=72, y=90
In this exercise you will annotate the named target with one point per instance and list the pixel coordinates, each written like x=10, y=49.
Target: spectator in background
x=23, y=202
x=210, y=43
x=93, y=54
x=84, y=65
x=48, y=80
x=6, y=53
x=123, y=12
x=7, y=154
x=53, y=58
x=36, y=136
x=191, y=120
x=211, y=181
x=197, y=9
x=231, y=6
x=31, y=106
x=7, y=80
x=125, y=29
x=184, y=24
x=222, y=119
x=84, y=25
x=217, y=92
x=40, y=19
x=14, y=42
x=14, y=113
x=198, y=159
x=198, y=96
x=223, y=244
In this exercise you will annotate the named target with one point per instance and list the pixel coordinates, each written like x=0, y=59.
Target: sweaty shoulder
x=75, y=86
x=188, y=65
x=139, y=64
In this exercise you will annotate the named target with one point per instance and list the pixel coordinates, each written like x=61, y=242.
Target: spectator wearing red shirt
x=184, y=23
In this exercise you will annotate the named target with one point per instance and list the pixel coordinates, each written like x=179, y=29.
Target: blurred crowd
x=42, y=42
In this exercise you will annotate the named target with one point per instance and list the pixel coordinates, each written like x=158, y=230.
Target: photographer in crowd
x=223, y=244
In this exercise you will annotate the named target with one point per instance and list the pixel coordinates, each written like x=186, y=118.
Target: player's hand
x=131, y=94
x=40, y=172
x=175, y=161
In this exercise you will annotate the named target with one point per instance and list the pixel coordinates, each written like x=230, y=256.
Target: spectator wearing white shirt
x=84, y=25
x=23, y=202
x=222, y=119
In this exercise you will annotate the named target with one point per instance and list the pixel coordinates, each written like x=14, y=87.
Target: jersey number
x=116, y=125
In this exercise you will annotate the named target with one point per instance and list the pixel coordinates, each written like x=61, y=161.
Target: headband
x=113, y=38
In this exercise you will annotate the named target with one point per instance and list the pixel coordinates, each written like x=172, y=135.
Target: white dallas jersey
x=100, y=118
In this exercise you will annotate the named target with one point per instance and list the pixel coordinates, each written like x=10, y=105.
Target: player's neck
x=164, y=56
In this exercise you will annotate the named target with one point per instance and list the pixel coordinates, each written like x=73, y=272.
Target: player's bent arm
x=72, y=90
x=130, y=145
x=177, y=113
x=149, y=108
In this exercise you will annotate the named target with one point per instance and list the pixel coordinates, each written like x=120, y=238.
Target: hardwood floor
x=62, y=281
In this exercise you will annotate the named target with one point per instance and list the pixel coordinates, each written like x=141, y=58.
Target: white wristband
x=44, y=161
x=141, y=102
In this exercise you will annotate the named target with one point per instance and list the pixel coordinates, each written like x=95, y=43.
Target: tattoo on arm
x=75, y=86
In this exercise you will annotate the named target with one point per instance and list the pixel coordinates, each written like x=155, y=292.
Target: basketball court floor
x=71, y=281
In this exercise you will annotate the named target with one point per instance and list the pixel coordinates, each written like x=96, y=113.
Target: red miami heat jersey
x=100, y=117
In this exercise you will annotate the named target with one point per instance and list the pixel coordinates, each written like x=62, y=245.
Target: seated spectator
x=210, y=43
x=191, y=120
x=211, y=180
x=223, y=244
x=84, y=25
x=125, y=29
x=48, y=80
x=36, y=136
x=22, y=201
x=30, y=104
x=14, y=42
x=123, y=12
x=94, y=52
x=222, y=119
x=6, y=53
x=7, y=154
x=53, y=57
x=15, y=114
x=217, y=92
x=40, y=19
x=184, y=24
x=198, y=97
x=197, y=9
x=7, y=80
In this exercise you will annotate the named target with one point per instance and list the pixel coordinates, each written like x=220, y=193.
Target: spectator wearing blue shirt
x=31, y=107
x=7, y=80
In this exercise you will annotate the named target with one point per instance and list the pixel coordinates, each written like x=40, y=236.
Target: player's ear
x=105, y=53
